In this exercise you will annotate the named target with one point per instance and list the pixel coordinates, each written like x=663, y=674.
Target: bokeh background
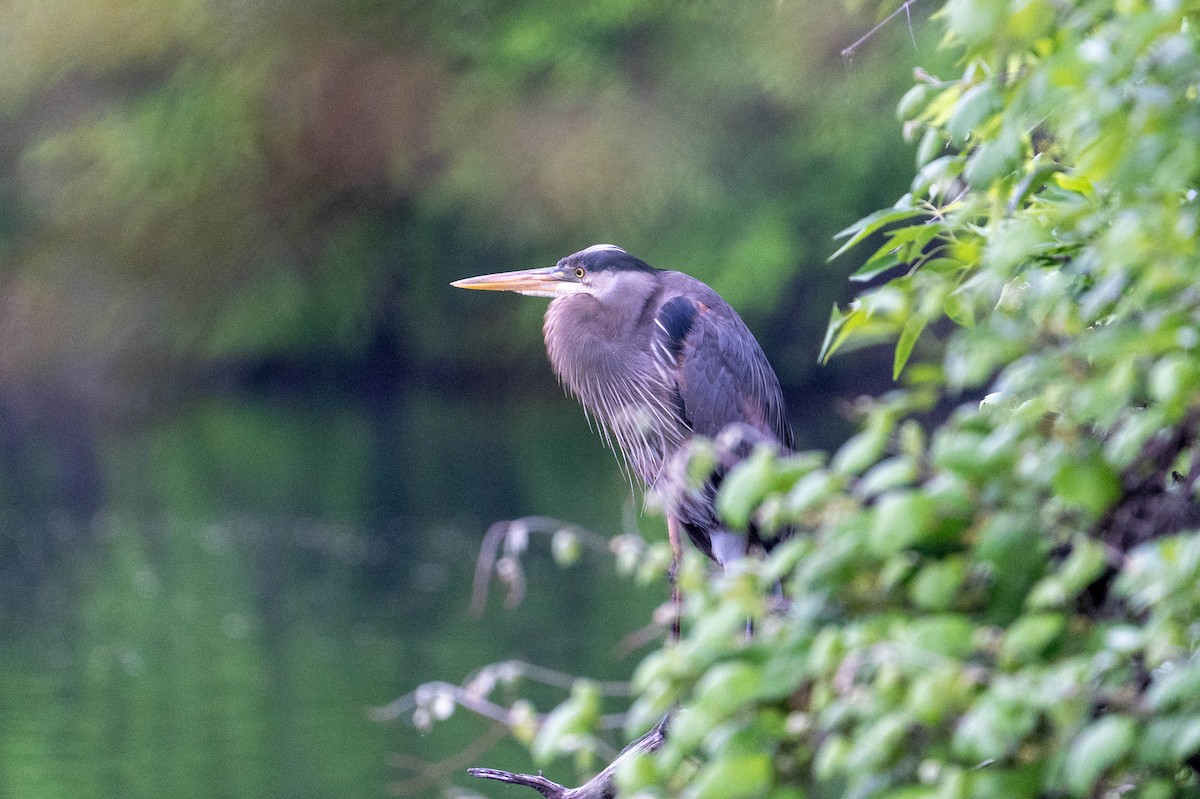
x=250, y=439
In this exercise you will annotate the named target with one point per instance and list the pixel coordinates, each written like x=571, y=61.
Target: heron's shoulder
x=679, y=284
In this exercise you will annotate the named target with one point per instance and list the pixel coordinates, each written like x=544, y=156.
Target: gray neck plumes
x=597, y=348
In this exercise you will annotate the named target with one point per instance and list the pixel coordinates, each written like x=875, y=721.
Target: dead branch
x=599, y=787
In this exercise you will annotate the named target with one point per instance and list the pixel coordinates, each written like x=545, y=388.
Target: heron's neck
x=592, y=338
x=601, y=353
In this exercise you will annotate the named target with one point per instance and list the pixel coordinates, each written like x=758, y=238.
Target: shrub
x=1004, y=603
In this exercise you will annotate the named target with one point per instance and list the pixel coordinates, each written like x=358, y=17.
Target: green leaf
x=1090, y=484
x=578, y=714
x=913, y=101
x=1030, y=20
x=733, y=777
x=840, y=326
x=1099, y=747
x=701, y=460
x=635, y=771
x=993, y=728
x=887, y=475
x=788, y=792
x=690, y=728
x=809, y=490
x=1187, y=741
x=1084, y=565
x=874, y=222
x=935, y=693
x=975, y=21
x=913, y=238
x=949, y=635
x=992, y=160
x=727, y=687
x=884, y=259
x=913, y=440
x=959, y=307
x=1127, y=441
x=1159, y=736
x=1030, y=636
x=937, y=584
x=783, y=672
x=937, y=173
x=860, y=451
x=744, y=488
x=879, y=743
x=1175, y=379
x=944, y=266
x=904, y=346
x=831, y=757
x=827, y=650
x=1074, y=182
x=932, y=145
x=1176, y=687
x=977, y=104
x=1009, y=783
x=900, y=520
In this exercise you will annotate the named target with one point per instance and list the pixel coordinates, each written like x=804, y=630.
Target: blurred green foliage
x=198, y=184
x=1006, y=604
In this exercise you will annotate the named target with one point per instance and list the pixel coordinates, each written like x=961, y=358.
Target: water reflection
x=249, y=577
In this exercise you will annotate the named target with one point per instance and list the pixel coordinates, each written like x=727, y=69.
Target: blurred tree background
x=249, y=437
x=200, y=191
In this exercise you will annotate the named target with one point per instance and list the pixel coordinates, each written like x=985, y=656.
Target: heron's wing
x=719, y=376
x=720, y=372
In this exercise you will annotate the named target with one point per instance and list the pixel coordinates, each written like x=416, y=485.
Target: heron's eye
x=580, y=272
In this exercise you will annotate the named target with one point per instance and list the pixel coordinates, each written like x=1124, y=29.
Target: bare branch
x=903, y=9
x=599, y=787
x=547, y=788
x=511, y=538
x=560, y=679
x=436, y=700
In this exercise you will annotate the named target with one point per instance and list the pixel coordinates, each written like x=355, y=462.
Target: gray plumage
x=657, y=357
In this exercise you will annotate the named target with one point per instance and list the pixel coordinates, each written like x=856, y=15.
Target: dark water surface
x=250, y=576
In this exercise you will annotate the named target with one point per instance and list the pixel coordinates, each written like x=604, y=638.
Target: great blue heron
x=656, y=357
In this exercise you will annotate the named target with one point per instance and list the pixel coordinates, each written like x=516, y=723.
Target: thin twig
x=428, y=692
x=477, y=687
x=511, y=536
x=563, y=680
x=426, y=774
x=849, y=51
x=640, y=638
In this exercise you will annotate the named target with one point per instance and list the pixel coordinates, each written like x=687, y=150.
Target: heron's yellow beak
x=548, y=282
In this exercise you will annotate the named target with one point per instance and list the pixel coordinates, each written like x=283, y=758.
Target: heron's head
x=602, y=270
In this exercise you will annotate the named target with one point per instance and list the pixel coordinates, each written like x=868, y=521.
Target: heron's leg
x=673, y=575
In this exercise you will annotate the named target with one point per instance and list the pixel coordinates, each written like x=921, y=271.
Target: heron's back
x=668, y=361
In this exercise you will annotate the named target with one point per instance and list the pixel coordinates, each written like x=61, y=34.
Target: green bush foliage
x=1004, y=603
